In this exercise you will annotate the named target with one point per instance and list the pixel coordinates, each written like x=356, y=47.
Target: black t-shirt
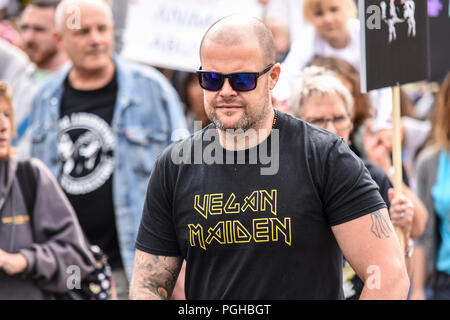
x=86, y=152
x=381, y=179
x=248, y=235
x=378, y=175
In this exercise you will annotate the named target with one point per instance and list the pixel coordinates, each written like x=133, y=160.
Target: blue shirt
x=148, y=117
x=441, y=197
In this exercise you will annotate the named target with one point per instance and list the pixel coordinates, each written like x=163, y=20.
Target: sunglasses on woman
x=239, y=81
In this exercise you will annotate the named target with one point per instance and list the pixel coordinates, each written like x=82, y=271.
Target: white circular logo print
x=85, y=149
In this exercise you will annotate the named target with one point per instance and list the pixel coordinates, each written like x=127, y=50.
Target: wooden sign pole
x=397, y=151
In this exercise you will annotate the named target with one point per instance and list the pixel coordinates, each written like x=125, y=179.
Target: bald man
x=253, y=224
x=99, y=124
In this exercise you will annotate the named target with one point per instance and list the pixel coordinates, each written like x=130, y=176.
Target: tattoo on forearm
x=154, y=276
x=380, y=227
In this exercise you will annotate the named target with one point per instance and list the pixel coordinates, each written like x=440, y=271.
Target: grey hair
x=66, y=7
x=318, y=82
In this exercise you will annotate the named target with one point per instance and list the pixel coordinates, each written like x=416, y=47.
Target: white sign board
x=167, y=33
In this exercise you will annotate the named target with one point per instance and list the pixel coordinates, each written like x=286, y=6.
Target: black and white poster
x=439, y=19
x=395, y=44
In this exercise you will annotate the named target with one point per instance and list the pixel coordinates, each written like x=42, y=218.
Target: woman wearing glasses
x=322, y=100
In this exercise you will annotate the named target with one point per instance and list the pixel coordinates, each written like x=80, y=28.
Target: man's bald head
x=238, y=29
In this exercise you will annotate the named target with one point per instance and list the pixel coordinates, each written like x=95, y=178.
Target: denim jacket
x=147, y=117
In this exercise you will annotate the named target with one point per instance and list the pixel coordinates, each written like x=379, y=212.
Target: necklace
x=275, y=118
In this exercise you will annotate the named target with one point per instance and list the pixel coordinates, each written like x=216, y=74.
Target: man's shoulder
x=141, y=71
x=135, y=75
x=373, y=168
x=301, y=131
x=53, y=82
x=377, y=174
x=289, y=123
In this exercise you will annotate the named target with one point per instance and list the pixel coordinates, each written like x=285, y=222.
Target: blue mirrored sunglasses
x=239, y=81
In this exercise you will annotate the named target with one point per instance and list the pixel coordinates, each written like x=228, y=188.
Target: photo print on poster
x=394, y=12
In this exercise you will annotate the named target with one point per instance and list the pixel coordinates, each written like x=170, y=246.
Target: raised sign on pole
x=395, y=48
x=395, y=51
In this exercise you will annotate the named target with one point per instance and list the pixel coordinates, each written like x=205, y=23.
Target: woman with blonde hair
x=433, y=187
x=331, y=29
x=40, y=238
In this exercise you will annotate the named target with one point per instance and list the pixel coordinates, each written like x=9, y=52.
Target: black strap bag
x=97, y=285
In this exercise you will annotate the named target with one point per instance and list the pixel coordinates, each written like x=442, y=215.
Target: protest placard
x=395, y=48
x=394, y=51
x=168, y=33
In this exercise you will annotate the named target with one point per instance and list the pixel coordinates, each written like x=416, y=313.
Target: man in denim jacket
x=99, y=124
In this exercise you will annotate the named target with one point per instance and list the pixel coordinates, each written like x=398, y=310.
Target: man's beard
x=249, y=120
x=40, y=57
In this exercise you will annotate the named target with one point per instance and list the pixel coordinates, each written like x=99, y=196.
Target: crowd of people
x=95, y=136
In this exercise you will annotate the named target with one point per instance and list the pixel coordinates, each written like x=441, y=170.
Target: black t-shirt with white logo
x=247, y=234
x=86, y=152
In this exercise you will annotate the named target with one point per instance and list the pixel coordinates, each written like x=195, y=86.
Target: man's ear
x=274, y=75
x=57, y=37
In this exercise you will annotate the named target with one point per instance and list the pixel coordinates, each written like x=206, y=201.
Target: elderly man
x=99, y=125
x=247, y=233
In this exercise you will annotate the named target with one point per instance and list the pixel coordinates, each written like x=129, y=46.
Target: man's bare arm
x=154, y=277
x=371, y=246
